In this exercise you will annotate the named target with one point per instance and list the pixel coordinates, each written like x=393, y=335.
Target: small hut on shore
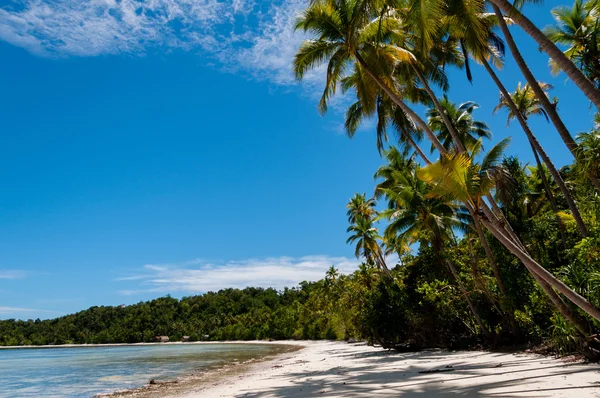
x=185, y=339
x=162, y=339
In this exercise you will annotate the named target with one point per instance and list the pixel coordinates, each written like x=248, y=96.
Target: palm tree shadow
x=385, y=374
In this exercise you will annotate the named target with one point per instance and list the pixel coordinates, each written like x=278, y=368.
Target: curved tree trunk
x=565, y=311
x=551, y=199
x=549, y=107
x=514, y=245
x=398, y=101
x=442, y=112
x=546, y=45
x=560, y=305
x=415, y=146
x=531, y=264
x=533, y=140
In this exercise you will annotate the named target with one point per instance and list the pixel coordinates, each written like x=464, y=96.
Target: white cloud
x=252, y=38
x=276, y=272
x=94, y=27
x=13, y=274
x=12, y=310
x=272, y=46
x=264, y=49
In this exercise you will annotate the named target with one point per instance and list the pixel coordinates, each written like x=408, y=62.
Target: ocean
x=87, y=371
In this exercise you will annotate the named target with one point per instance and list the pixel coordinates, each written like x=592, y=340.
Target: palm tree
x=538, y=89
x=416, y=218
x=473, y=28
x=361, y=207
x=468, y=129
x=331, y=275
x=548, y=46
x=459, y=177
x=346, y=34
x=577, y=28
x=521, y=104
x=366, y=237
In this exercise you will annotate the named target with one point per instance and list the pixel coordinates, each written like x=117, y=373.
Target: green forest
x=491, y=250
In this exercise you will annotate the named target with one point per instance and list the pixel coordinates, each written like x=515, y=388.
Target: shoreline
x=25, y=347
x=208, y=378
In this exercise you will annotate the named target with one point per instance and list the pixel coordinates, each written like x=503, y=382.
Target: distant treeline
x=251, y=313
x=419, y=306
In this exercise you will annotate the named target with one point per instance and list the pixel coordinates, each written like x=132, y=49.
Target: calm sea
x=86, y=371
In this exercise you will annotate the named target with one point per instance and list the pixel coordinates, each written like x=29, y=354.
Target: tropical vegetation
x=461, y=243
x=394, y=56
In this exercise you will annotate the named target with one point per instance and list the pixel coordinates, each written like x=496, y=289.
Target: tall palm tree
x=385, y=112
x=361, y=207
x=474, y=30
x=416, y=218
x=578, y=29
x=528, y=104
x=331, y=275
x=468, y=129
x=347, y=32
x=366, y=237
x=521, y=104
x=537, y=89
x=548, y=46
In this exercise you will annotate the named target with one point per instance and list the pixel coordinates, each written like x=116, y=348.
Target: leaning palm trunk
x=550, y=195
x=499, y=221
x=398, y=101
x=513, y=244
x=540, y=271
x=536, y=144
x=546, y=45
x=533, y=83
x=438, y=107
x=379, y=260
x=415, y=146
x=549, y=107
x=562, y=308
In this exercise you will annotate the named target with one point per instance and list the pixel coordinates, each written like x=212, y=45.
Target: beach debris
x=154, y=381
x=448, y=368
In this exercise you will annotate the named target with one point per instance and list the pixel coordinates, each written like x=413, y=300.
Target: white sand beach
x=338, y=369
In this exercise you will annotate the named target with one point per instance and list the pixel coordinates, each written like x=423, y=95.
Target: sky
x=164, y=147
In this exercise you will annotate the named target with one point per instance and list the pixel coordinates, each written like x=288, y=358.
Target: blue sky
x=155, y=147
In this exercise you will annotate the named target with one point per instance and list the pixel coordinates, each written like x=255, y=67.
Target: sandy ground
x=337, y=369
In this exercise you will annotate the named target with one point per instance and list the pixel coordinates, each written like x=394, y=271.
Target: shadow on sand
x=387, y=373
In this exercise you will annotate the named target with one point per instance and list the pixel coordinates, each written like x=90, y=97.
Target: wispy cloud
x=13, y=274
x=255, y=39
x=264, y=44
x=276, y=272
x=13, y=310
x=94, y=27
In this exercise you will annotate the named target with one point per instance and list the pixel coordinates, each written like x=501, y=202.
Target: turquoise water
x=86, y=371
